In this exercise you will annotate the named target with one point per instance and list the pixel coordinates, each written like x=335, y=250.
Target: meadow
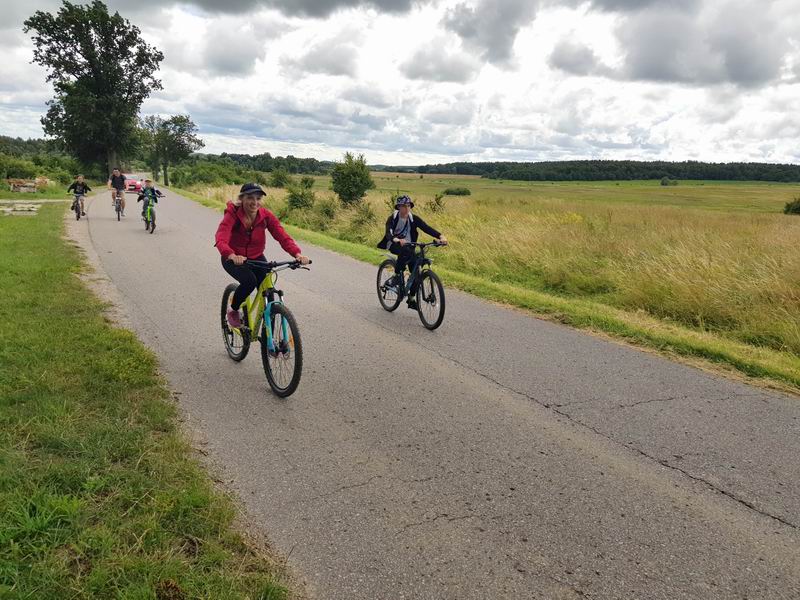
x=716, y=258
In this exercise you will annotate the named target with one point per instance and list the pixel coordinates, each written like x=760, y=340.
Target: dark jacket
x=234, y=237
x=79, y=188
x=416, y=223
x=149, y=195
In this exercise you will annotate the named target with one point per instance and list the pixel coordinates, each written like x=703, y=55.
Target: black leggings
x=248, y=276
x=405, y=256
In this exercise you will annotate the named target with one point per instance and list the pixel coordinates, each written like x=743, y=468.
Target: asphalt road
x=499, y=457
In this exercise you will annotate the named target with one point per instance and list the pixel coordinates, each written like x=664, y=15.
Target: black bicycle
x=423, y=284
x=76, y=206
x=118, y=203
x=267, y=318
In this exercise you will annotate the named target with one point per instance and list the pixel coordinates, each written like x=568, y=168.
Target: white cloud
x=410, y=82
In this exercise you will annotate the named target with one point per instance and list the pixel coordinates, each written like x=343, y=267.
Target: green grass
x=100, y=495
x=718, y=280
x=50, y=192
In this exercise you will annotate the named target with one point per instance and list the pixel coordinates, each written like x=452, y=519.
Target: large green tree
x=168, y=141
x=102, y=70
x=351, y=178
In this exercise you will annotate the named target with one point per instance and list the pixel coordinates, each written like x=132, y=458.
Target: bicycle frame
x=419, y=264
x=259, y=308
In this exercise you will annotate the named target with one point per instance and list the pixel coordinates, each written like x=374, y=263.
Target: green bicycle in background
x=268, y=319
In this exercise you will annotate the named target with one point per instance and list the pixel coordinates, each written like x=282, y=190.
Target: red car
x=132, y=184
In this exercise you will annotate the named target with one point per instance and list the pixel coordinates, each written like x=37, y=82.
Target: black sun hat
x=251, y=188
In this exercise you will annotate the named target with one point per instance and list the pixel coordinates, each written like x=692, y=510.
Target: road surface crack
x=450, y=519
x=651, y=401
x=664, y=463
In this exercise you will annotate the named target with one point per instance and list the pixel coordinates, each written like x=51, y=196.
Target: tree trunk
x=166, y=173
x=112, y=160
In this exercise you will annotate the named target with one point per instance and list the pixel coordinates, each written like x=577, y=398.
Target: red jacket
x=233, y=236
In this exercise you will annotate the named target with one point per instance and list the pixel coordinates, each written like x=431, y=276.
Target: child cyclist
x=401, y=232
x=150, y=195
x=242, y=235
x=79, y=187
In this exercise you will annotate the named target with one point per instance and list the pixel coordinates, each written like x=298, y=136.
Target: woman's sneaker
x=234, y=318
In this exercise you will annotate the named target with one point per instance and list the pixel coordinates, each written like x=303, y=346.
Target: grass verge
x=779, y=369
x=100, y=494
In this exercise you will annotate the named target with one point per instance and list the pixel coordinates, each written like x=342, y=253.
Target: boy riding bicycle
x=150, y=195
x=79, y=187
x=401, y=233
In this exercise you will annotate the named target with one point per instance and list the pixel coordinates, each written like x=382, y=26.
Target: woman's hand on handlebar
x=442, y=240
x=302, y=259
x=237, y=259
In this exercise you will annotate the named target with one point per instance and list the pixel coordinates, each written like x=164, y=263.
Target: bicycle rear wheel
x=388, y=297
x=283, y=360
x=237, y=342
x=430, y=300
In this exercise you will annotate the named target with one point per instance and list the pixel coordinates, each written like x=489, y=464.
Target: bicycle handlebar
x=426, y=244
x=276, y=265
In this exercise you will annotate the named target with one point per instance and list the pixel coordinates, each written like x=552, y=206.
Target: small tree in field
x=793, y=207
x=279, y=178
x=351, y=179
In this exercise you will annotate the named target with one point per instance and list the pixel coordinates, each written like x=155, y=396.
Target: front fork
x=268, y=321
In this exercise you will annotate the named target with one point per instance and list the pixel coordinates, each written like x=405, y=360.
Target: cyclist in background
x=150, y=195
x=401, y=231
x=116, y=183
x=79, y=187
x=242, y=235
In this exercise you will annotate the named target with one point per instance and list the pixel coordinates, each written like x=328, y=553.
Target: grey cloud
x=430, y=63
x=493, y=139
x=491, y=26
x=368, y=95
x=232, y=51
x=637, y=5
x=335, y=56
x=574, y=57
x=734, y=44
x=306, y=8
x=458, y=110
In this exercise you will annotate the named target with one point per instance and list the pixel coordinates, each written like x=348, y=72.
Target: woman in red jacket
x=242, y=235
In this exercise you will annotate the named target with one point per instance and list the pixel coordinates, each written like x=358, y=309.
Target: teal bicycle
x=267, y=319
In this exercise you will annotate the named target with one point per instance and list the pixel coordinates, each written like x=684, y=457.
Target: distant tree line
x=28, y=159
x=267, y=162
x=616, y=170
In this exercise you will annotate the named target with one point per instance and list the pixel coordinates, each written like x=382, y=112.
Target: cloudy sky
x=408, y=81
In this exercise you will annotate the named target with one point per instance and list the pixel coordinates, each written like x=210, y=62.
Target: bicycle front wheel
x=388, y=296
x=282, y=355
x=430, y=300
x=237, y=341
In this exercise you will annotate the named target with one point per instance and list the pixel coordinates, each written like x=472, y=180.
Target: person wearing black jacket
x=79, y=187
x=402, y=229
